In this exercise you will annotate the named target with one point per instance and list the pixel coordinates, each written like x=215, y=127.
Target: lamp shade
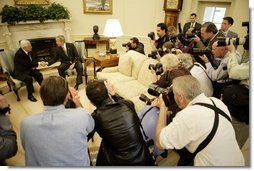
x=113, y=28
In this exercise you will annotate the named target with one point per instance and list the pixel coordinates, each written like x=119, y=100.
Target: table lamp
x=113, y=30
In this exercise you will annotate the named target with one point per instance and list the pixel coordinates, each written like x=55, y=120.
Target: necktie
x=65, y=51
x=30, y=56
x=192, y=25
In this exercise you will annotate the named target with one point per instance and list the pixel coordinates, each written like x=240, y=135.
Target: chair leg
x=9, y=85
x=17, y=94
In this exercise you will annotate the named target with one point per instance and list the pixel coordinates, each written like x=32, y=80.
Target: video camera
x=128, y=44
x=151, y=35
x=157, y=68
x=145, y=99
x=167, y=93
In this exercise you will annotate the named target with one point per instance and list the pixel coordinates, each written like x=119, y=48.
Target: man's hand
x=204, y=58
x=196, y=39
x=75, y=97
x=231, y=47
x=72, y=66
x=3, y=102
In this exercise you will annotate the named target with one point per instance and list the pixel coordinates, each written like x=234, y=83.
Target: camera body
x=158, y=68
x=167, y=93
x=193, y=34
x=153, y=54
x=128, y=44
x=145, y=99
x=201, y=52
x=223, y=41
x=151, y=35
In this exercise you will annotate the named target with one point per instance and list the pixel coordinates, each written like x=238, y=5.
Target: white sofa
x=131, y=77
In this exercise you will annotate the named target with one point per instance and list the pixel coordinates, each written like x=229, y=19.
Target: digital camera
x=157, y=68
x=167, y=93
x=151, y=35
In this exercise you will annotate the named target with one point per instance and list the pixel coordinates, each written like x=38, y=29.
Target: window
x=215, y=15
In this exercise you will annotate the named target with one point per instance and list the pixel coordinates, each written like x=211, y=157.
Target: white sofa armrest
x=111, y=69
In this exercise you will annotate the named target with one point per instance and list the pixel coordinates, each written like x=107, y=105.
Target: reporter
x=57, y=136
x=194, y=123
x=8, y=139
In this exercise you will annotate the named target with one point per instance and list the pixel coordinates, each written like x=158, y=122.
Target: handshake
x=43, y=63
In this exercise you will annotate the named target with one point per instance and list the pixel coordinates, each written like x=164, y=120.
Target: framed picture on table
x=98, y=6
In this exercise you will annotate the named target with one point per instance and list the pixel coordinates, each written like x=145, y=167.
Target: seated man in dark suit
x=25, y=68
x=69, y=58
x=192, y=26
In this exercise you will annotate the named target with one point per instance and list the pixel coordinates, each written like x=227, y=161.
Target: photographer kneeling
x=134, y=44
x=149, y=114
x=57, y=136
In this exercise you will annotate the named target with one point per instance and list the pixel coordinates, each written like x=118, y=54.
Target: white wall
x=138, y=17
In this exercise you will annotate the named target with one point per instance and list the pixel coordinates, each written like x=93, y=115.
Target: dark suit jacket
x=23, y=64
x=187, y=26
x=63, y=58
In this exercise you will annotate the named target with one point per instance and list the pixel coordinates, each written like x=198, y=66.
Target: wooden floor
x=24, y=108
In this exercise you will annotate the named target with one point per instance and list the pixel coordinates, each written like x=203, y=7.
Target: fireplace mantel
x=35, y=29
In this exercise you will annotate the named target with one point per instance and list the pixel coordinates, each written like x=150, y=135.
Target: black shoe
x=32, y=98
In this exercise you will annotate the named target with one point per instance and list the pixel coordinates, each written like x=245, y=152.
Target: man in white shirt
x=193, y=124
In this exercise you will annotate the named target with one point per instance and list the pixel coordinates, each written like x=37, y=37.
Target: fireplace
x=43, y=48
x=35, y=31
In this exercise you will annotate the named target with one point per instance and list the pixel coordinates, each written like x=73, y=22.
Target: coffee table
x=108, y=60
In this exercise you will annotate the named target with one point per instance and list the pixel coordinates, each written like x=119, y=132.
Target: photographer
x=209, y=34
x=8, y=139
x=134, y=44
x=219, y=76
x=162, y=34
x=236, y=97
x=118, y=125
x=57, y=136
x=196, y=123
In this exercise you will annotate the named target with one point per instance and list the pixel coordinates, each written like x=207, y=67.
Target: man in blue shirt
x=57, y=136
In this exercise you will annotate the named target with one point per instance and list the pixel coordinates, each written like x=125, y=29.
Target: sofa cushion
x=129, y=89
x=145, y=76
x=125, y=65
x=114, y=77
x=137, y=62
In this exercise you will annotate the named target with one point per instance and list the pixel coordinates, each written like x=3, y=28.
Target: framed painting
x=29, y=2
x=98, y=6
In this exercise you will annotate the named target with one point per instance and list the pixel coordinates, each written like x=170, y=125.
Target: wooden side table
x=90, y=43
x=105, y=61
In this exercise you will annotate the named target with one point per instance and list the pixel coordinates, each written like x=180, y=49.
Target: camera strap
x=146, y=113
x=139, y=121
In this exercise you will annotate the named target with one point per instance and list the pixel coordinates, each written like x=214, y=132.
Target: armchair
x=80, y=46
x=7, y=63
